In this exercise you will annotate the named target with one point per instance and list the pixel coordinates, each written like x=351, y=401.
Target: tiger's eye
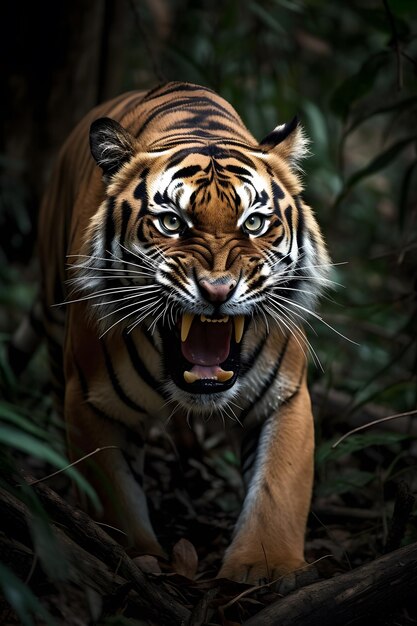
x=254, y=223
x=171, y=222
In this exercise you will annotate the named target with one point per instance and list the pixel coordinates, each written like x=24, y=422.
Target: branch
x=353, y=598
x=91, y=545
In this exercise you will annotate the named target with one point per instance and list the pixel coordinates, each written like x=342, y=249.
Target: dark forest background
x=349, y=70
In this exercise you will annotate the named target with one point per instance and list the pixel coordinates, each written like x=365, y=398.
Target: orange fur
x=117, y=377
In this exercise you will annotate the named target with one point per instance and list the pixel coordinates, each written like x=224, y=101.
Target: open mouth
x=202, y=354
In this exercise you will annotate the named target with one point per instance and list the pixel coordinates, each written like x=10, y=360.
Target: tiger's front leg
x=116, y=473
x=269, y=535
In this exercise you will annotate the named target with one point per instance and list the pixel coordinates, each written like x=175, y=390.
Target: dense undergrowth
x=350, y=73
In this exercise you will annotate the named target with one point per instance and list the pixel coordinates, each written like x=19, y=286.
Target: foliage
x=19, y=596
x=349, y=71
x=359, y=109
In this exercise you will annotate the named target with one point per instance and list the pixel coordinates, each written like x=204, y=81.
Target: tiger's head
x=204, y=243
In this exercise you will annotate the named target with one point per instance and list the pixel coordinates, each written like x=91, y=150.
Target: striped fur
x=181, y=211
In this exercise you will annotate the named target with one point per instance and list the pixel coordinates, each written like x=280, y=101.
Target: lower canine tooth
x=239, y=321
x=189, y=377
x=186, y=321
x=223, y=376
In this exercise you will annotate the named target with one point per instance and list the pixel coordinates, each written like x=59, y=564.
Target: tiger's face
x=202, y=246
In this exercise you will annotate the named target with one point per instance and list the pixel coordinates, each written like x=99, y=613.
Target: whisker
x=231, y=414
x=288, y=316
x=121, y=272
x=317, y=317
x=105, y=259
x=144, y=314
x=122, y=308
x=155, y=321
x=317, y=279
x=279, y=303
x=140, y=254
x=105, y=292
x=290, y=328
x=121, y=320
x=135, y=295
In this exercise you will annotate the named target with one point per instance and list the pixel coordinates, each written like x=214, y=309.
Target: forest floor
x=362, y=509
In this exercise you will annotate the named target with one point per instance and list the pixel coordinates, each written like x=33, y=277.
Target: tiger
x=178, y=262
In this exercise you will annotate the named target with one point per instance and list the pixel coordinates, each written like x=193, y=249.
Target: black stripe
x=240, y=171
x=218, y=152
x=83, y=382
x=168, y=88
x=265, y=387
x=109, y=229
x=301, y=224
x=255, y=354
x=191, y=138
x=191, y=105
x=249, y=448
x=187, y=172
x=126, y=213
x=141, y=193
x=258, y=282
x=84, y=389
x=138, y=477
x=137, y=363
x=277, y=195
x=203, y=121
x=174, y=280
x=116, y=384
x=288, y=215
x=98, y=412
x=149, y=336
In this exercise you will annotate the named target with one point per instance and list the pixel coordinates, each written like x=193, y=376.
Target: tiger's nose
x=218, y=290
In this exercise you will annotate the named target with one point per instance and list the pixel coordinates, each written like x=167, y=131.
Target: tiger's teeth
x=186, y=321
x=223, y=376
x=224, y=319
x=189, y=377
x=239, y=321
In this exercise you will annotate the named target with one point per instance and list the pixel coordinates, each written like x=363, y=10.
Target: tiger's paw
x=283, y=577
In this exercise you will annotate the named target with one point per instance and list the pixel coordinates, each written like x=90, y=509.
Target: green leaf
x=19, y=440
x=350, y=480
x=50, y=552
x=267, y=18
x=357, y=85
x=403, y=7
x=21, y=598
x=9, y=414
x=326, y=452
x=396, y=107
x=381, y=161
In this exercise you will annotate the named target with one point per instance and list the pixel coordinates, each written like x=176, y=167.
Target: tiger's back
x=187, y=264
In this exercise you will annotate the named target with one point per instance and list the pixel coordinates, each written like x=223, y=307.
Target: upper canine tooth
x=239, y=321
x=186, y=321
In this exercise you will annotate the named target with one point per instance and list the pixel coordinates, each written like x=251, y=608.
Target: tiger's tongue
x=207, y=344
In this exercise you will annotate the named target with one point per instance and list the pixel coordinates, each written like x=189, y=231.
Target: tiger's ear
x=288, y=141
x=111, y=145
